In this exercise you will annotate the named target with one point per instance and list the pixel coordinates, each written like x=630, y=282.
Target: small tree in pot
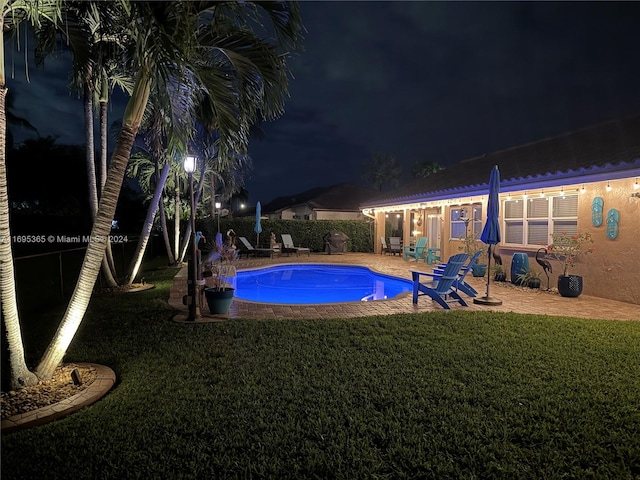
x=565, y=248
x=219, y=272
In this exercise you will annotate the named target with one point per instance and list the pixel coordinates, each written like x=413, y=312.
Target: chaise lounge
x=248, y=249
x=288, y=246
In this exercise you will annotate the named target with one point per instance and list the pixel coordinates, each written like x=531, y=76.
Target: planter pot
x=533, y=283
x=479, y=269
x=500, y=277
x=519, y=266
x=219, y=301
x=570, y=285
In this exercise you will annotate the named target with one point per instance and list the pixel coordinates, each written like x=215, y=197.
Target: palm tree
x=11, y=14
x=383, y=169
x=168, y=40
x=95, y=39
x=424, y=169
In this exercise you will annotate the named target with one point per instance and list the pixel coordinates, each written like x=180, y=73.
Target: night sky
x=422, y=81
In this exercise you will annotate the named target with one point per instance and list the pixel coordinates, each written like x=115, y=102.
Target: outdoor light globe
x=189, y=163
x=218, y=204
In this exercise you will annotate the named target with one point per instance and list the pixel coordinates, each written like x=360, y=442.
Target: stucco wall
x=613, y=270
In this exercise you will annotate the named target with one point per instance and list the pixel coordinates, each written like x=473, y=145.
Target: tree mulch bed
x=48, y=392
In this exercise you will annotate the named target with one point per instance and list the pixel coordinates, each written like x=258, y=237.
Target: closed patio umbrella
x=491, y=232
x=258, y=228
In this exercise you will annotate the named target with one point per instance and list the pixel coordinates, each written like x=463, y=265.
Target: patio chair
x=394, y=245
x=442, y=288
x=418, y=251
x=385, y=249
x=288, y=247
x=463, y=286
x=248, y=249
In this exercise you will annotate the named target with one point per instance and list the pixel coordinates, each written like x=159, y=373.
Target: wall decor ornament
x=613, y=218
x=597, y=207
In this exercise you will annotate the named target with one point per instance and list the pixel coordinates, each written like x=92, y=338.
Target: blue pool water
x=309, y=284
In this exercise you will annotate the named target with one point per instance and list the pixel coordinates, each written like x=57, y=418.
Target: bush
x=305, y=233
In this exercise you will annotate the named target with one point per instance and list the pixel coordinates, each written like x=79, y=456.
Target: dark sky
x=422, y=81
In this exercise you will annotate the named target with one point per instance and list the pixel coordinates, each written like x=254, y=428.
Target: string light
x=542, y=194
x=608, y=187
x=562, y=192
x=582, y=189
x=636, y=185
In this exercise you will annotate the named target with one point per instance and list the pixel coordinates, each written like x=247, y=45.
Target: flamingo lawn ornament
x=544, y=263
x=496, y=256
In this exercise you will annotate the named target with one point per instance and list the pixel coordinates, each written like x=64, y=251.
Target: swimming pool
x=310, y=284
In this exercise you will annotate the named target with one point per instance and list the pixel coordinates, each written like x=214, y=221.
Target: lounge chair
x=463, y=286
x=249, y=250
x=288, y=247
x=418, y=251
x=442, y=288
x=385, y=248
x=394, y=246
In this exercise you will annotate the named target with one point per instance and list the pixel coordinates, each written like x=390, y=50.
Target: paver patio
x=513, y=299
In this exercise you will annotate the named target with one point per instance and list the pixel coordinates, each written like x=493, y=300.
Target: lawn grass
x=440, y=395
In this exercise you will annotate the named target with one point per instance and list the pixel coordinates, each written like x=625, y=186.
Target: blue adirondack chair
x=417, y=251
x=463, y=286
x=442, y=288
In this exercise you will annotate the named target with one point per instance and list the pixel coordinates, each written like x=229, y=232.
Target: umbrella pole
x=487, y=300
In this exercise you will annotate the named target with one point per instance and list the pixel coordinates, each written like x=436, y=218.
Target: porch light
x=608, y=187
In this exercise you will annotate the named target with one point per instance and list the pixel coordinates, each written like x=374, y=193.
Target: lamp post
x=194, y=307
x=218, y=205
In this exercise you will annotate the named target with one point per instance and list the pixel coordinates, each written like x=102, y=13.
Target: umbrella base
x=487, y=301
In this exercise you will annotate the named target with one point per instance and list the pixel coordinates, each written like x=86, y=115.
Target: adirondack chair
x=418, y=251
x=442, y=288
x=394, y=245
x=385, y=248
x=463, y=286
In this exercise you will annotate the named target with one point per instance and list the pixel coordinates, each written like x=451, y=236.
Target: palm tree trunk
x=20, y=374
x=101, y=227
x=188, y=229
x=165, y=234
x=104, y=103
x=176, y=221
x=91, y=170
x=148, y=224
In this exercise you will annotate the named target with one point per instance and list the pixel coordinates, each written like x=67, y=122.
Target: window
x=466, y=220
x=531, y=221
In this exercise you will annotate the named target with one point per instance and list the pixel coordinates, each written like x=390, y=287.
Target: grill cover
x=335, y=242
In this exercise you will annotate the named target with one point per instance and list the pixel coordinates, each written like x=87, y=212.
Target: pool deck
x=519, y=300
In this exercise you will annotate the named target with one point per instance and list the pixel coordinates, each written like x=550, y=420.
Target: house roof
x=606, y=151
x=343, y=197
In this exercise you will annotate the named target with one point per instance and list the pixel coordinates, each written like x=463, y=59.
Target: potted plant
x=565, y=248
x=219, y=272
x=530, y=278
x=470, y=246
x=499, y=275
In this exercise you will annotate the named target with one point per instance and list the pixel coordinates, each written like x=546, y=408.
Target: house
x=336, y=202
x=552, y=185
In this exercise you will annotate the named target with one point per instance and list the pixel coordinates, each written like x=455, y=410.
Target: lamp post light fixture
x=218, y=205
x=194, y=308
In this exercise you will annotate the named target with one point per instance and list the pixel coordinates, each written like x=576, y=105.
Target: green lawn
x=441, y=395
